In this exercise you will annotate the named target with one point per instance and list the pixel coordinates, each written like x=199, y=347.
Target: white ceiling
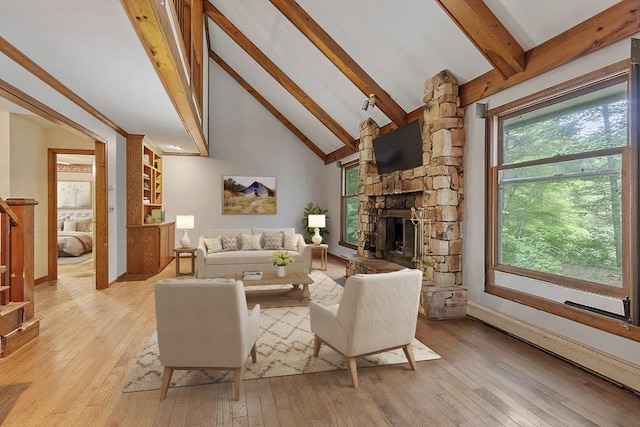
x=92, y=48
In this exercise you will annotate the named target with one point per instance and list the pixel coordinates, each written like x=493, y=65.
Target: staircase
x=17, y=323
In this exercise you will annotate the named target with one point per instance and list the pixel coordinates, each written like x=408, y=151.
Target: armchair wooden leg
x=352, y=367
x=316, y=345
x=166, y=380
x=408, y=351
x=237, y=383
x=254, y=354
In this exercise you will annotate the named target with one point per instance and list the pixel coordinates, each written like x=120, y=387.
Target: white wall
x=5, y=164
x=474, y=218
x=245, y=140
x=28, y=179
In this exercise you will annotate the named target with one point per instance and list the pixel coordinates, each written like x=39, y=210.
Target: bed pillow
x=69, y=226
x=290, y=242
x=213, y=245
x=273, y=241
x=230, y=243
x=85, y=224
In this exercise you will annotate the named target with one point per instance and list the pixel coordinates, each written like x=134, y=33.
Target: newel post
x=22, y=254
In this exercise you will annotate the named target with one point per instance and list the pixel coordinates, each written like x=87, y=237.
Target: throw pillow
x=213, y=245
x=251, y=242
x=69, y=226
x=230, y=243
x=273, y=241
x=290, y=242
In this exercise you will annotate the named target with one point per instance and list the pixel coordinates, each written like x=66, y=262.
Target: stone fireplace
x=414, y=217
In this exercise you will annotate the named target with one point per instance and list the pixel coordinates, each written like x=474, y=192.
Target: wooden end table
x=323, y=248
x=190, y=252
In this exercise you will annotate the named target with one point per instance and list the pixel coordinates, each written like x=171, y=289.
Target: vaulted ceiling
x=310, y=63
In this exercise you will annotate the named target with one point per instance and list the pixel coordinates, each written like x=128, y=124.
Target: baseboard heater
x=599, y=311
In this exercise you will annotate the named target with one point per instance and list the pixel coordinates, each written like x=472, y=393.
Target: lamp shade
x=184, y=222
x=317, y=221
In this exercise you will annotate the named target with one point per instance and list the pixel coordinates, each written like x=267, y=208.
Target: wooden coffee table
x=269, y=278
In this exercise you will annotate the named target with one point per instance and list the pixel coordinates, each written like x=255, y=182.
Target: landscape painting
x=249, y=195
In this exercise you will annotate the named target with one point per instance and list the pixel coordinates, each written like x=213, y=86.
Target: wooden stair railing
x=17, y=322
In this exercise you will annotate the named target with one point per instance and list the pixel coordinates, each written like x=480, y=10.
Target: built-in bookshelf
x=150, y=242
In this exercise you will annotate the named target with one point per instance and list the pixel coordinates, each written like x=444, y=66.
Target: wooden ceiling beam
x=341, y=59
x=620, y=21
x=270, y=67
x=488, y=34
x=266, y=104
x=152, y=22
x=25, y=62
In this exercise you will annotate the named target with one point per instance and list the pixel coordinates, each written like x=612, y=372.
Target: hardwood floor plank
x=267, y=403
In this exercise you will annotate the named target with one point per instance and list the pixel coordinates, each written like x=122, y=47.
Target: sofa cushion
x=213, y=245
x=251, y=242
x=230, y=243
x=272, y=240
x=260, y=257
x=290, y=242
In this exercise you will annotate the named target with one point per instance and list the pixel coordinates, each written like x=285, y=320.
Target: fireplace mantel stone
x=436, y=187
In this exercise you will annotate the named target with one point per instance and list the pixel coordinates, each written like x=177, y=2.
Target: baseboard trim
x=610, y=367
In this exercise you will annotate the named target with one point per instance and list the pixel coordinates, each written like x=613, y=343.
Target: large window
x=558, y=199
x=349, y=217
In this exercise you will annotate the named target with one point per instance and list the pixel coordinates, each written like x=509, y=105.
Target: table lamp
x=184, y=223
x=317, y=222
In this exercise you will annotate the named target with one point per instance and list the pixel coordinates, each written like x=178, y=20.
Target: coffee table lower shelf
x=278, y=297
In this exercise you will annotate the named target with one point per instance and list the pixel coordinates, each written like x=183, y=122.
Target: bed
x=75, y=233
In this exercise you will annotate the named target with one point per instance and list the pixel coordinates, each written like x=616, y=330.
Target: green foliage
x=564, y=217
x=312, y=209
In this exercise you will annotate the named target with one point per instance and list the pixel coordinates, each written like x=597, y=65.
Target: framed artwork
x=74, y=194
x=248, y=195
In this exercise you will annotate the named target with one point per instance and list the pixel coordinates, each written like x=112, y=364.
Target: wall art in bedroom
x=74, y=194
x=248, y=195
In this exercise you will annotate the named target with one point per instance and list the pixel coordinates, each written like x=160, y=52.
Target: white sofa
x=222, y=262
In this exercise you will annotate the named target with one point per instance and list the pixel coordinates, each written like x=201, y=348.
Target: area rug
x=285, y=347
x=65, y=260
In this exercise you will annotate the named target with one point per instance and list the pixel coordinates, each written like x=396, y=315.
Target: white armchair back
x=204, y=323
x=377, y=312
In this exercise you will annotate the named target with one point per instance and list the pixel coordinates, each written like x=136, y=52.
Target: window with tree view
x=559, y=189
x=350, y=176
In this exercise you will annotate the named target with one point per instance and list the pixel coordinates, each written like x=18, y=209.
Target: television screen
x=400, y=149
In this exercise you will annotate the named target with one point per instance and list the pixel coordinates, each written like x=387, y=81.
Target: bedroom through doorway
x=75, y=213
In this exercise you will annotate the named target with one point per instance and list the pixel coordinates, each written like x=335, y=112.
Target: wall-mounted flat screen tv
x=400, y=149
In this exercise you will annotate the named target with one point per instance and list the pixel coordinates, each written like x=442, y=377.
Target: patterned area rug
x=285, y=347
x=65, y=260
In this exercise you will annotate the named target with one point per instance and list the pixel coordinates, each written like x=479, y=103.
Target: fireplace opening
x=396, y=239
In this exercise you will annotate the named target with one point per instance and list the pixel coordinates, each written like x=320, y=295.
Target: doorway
x=77, y=212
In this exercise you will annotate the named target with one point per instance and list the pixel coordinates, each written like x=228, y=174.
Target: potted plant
x=281, y=259
x=312, y=209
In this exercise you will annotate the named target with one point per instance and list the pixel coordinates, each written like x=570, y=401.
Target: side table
x=322, y=247
x=190, y=252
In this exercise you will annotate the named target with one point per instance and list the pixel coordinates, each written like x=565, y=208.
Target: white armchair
x=377, y=313
x=204, y=324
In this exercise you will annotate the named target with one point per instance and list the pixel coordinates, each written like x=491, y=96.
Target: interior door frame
x=100, y=245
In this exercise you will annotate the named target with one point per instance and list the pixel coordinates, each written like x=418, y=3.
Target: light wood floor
x=73, y=374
